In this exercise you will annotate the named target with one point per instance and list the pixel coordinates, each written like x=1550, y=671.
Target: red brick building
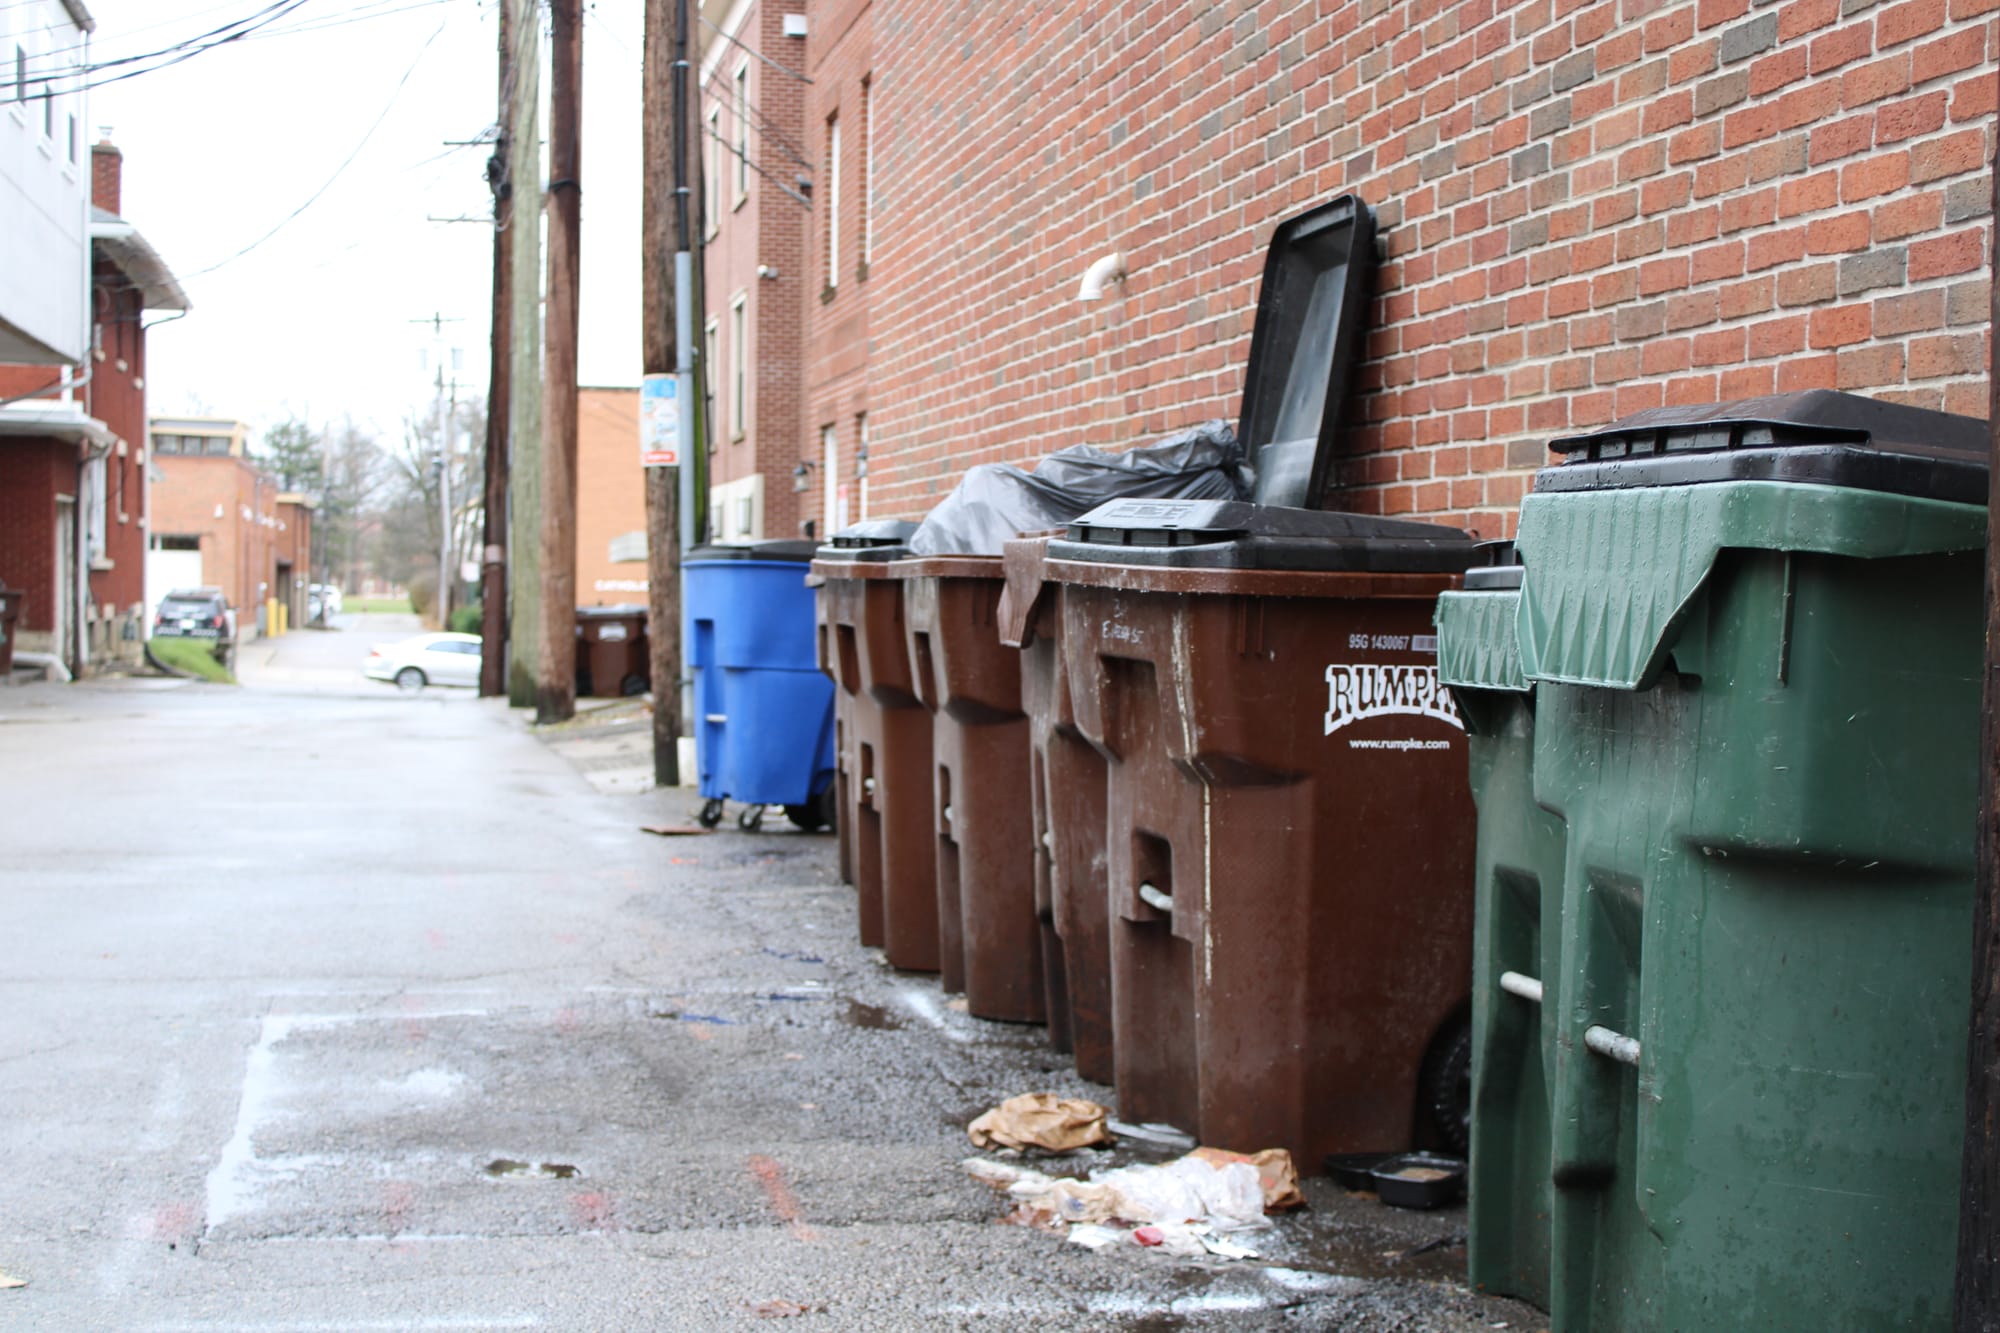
x=610, y=499
x=758, y=192
x=73, y=468
x=1585, y=209
x=220, y=521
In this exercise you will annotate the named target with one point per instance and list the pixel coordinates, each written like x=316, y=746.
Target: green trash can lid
x=1496, y=567
x=792, y=549
x=1819, y=437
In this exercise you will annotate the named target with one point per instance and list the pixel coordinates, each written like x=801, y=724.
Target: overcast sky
x=318, y=320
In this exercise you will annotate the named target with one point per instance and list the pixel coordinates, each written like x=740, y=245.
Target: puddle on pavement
x=873, y=1017
x=505, y=1168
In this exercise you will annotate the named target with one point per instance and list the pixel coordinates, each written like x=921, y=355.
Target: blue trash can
x=763, y=710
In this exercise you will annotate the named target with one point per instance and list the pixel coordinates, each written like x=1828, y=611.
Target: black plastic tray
x=1402, y=1192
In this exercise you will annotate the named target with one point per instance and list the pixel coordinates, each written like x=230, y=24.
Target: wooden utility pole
x=493, y=558
x=525, y=633
x=1977, y=1296
x=555, y=683
x=664, y=231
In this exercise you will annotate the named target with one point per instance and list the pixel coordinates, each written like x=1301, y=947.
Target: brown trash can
x=883, y=750
x=1289, y=843
x=10, y=620
x=1067, y=778
x=990, y=944
x=613, y=658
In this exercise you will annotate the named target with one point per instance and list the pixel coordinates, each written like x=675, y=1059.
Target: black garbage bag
x=996, y=502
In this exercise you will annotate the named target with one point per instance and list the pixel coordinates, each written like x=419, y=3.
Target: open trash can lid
x=1235, y=534
x=1819, y=437
x=1312, y=312
x=622, y=611
x=794, y=550
x=876, y=539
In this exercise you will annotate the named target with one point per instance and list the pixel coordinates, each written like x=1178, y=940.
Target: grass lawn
x=191, y=655
x=361, y=605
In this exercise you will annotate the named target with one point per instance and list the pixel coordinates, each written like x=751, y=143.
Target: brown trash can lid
x=1234, y=534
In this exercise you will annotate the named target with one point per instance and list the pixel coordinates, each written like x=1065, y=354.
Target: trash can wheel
x=632, y=686
x=816, y=814
x=711, y=813
x=1444, y=1092
x=750, y=818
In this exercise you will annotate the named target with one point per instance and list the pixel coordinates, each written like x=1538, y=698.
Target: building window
x=72, y=140
x=710, y=367
x=166, y=542
x=832, y=201
x=742, y=131
x=739, y=359
x=20, y=73
x=867, y=177
x=861, y=466
x=829, y=476
x=48, y=112
x=215, y=446
x=711, y=182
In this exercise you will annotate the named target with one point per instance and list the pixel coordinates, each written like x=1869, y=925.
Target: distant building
x=220, y=521
x=610, y=499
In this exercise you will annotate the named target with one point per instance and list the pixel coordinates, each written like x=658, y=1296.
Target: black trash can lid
x=1235, y=534
x=1819, y=437
x=792, y=549
x=1312, y=312
x=876, y=539
x=1495, y=566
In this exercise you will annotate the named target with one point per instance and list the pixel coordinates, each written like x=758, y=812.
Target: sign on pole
x=659, y=422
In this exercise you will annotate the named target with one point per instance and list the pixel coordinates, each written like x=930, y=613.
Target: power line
x=744, y=158
x=731, y=39
x=345, y=163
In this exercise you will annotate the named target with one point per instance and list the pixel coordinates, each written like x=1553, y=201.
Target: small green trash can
x=1755, y=633
x=1516, y=931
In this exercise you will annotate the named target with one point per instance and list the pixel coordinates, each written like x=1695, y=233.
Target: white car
x=427, y=659
x=329, y=596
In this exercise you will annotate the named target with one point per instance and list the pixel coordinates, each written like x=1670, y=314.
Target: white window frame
x=861, y=462
x=829, y=474
x=833, y=201
x=742, y=128
x=739, y=363
x=711, y=185
x=710, y=368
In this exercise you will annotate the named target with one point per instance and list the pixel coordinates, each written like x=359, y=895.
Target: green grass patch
x=377, y=605
x=194, y=656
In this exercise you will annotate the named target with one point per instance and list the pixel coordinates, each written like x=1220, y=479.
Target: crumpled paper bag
x=1275, y=1173
x=1041, y=1120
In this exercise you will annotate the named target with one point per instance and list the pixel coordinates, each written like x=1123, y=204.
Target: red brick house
x=1585, y=209
x=73, y=467
x=220, y=521
x=758, y=192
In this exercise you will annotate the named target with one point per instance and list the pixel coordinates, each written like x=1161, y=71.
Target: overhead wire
x=346, y=162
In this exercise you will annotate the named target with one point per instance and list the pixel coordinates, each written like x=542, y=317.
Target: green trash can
x=1755, y=632
x=1516, y=931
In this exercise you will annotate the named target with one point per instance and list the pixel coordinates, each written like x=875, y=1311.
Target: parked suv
x=197, y=613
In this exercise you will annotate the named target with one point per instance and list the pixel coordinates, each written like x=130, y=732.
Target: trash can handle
x=1150, y=895
x=1516, y=983
x=1612, y=1045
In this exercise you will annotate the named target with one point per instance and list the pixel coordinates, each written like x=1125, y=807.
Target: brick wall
x=610, y=495
x=1587, y=209
x=116, y=396
x=840, y=58
x=33, y=471
x=766, y=228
